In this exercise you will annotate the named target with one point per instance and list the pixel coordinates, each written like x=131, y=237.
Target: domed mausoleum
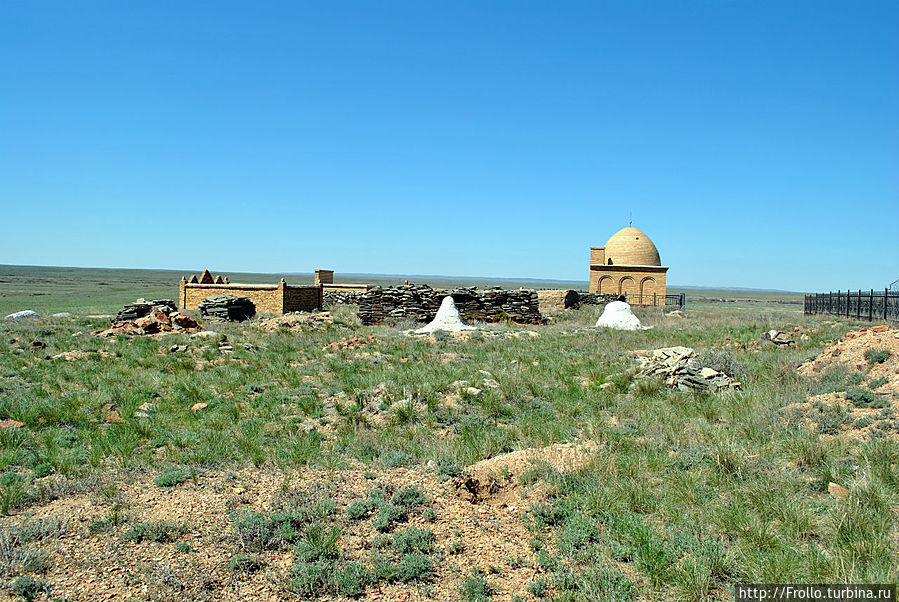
x=629, y=265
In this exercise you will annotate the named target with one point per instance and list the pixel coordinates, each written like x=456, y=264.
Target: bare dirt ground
x=89, y=565
x=870, y=404
x=850, y=352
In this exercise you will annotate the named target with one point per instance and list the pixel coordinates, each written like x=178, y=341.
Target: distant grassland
x=86, y=290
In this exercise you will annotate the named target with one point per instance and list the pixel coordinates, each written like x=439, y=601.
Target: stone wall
x=420, y=302
x=597, y=298
x=341, y=297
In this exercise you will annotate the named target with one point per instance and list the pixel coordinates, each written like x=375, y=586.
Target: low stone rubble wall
x=420, y=302
x=341, y=297
x=598, y=298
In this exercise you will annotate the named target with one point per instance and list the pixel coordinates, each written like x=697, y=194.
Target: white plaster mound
x=447, y=319
x=618, y=315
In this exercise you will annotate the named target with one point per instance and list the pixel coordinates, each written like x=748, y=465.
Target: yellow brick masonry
x=268, y=298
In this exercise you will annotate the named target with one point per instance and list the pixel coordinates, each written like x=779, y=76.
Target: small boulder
x=23, y=315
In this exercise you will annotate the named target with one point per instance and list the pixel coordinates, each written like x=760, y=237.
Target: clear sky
x=757, y=143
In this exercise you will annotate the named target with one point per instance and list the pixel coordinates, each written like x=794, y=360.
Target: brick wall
x=638, y=282
x=302, y=298
x=268, y=298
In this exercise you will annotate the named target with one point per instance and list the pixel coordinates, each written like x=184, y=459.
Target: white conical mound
x=447, y=319
x=618, y=315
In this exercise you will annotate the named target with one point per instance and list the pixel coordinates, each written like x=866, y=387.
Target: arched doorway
x=606, y=286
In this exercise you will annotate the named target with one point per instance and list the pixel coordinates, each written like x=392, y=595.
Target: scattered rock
x=63, y=314
x=778, y=338
x=148, y=318
x=11, y=424
x=681, y=369
x=837, y=490
x=145, y=410
x=78, y=354
x=298, y=321
x=198, y=406
x=353, y=342
x=206, y=334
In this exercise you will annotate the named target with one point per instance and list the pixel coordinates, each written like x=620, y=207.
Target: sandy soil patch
x=496, y=481
x=85, y=565
x=850, y=352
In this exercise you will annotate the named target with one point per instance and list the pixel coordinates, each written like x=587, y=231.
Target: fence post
x=858, y=306
x=871, y=306
x=886, y=292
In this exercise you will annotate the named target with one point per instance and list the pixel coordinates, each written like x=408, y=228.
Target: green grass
x=877, y=356
x=688, y=493
x=48, y=289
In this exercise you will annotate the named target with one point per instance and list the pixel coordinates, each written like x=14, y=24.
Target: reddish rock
x=11, y=424
x=198, y=406
x=182, y=321
x=837, y=490
x=113, y=417
x=151, y=328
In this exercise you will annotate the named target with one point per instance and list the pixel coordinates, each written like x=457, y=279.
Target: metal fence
x=861, y=305
x=656, y=300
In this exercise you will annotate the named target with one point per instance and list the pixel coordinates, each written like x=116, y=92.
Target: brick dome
x=630, y=246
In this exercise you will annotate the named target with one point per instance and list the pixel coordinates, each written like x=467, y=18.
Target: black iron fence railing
x=861, y=305
x=654, y=300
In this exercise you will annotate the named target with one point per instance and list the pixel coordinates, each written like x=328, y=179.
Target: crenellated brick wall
x=268, y=298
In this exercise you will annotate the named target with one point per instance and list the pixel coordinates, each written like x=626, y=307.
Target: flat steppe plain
x=333, y=460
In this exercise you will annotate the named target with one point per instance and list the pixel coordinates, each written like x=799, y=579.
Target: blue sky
x=757, y=143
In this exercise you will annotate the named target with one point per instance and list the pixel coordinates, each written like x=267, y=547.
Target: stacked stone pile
x=420, y=302
x=141, y=308
x=341, y=297
x=681, y=369
x=227, y=307
x=598, y=298
x=152, y=317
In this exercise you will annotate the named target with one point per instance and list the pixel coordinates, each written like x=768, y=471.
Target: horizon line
x=408, y=276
